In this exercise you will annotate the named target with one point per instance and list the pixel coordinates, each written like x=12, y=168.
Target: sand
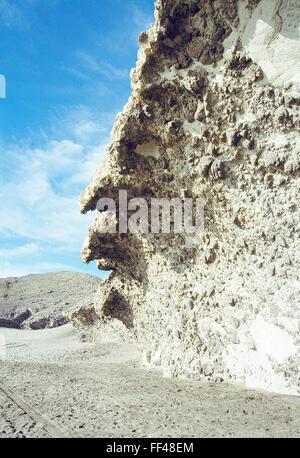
x=54, y=385
x=39, y=301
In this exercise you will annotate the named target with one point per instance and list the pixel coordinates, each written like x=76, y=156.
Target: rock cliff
x=214, y=114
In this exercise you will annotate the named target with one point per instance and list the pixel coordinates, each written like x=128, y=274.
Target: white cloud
x=56, y=159
x=82, y=125
x=40, y=202
x=88, y=168
x=40, y=188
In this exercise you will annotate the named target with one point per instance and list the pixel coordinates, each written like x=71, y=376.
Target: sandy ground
x=53, y=385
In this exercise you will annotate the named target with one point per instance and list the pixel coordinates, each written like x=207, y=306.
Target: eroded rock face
x=214, y=114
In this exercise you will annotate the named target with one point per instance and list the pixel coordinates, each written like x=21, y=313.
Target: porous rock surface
x=44, y=300
x=214, y=114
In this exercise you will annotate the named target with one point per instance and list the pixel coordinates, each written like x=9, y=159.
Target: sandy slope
x=56, y=385
x=44, y=300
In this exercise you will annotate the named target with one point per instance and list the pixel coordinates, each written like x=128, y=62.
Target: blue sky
x=66, y=64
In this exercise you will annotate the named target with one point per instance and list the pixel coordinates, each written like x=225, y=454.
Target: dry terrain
x=54, y=385
x=44, y=300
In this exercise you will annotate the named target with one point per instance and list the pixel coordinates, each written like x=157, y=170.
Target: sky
x=66, y=64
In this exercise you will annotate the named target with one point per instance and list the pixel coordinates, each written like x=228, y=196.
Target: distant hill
x=44, y=300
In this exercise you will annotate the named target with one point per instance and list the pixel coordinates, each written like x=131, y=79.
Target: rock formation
x=45, y=300
x=214, y=114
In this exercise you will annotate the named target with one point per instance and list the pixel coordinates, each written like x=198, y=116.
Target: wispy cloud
x=101, y=67
x=29, y=248
x=10, y=14
x=141, y=20
x=81, y=75
x=82, y=125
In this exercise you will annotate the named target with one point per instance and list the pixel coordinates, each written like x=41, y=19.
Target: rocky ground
x=54, y=385
x=40, y=301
